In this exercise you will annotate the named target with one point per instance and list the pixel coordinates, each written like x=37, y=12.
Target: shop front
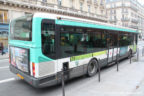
x=4, y=37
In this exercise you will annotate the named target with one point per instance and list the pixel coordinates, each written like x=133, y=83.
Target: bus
x=42, y=44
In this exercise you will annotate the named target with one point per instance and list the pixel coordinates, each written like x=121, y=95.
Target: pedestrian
x=1, y=48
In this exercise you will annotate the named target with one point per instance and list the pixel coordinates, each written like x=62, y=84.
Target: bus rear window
x=48, y=38
x=21, y=28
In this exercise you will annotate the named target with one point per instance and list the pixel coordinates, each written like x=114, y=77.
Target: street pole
x=63, y=84
x=143, y=51
x=130, y=57
x=99, y=78
x=137, y=54
x=117, y=63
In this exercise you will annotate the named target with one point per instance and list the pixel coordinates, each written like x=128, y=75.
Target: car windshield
x=21, y=28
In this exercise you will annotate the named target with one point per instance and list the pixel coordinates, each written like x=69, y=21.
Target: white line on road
x=4, y=67
x=4, y=60
x=7, y=80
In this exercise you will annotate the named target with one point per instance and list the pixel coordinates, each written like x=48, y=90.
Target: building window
x=81, y=6
x=101, y=2
x=95, y=1
x=59, y=2
x=123, y=16
x=71, y=3
x=115, y=18
x=89, y=8
x=114, y=11
x=101, y=11
x=3, y=16
x=110, y=11
x=44, y=0
x=27, y=13
x=132, y=14
x=95, y=10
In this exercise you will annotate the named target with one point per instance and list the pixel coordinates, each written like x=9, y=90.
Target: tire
x=92, y=68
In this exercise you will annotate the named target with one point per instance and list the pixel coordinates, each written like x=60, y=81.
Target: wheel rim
x=92, y=68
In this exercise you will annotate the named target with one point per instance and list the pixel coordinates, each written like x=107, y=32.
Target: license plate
x=20, y=76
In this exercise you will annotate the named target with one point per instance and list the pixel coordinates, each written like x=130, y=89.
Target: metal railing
x=125, y=19
x=134, y=20
x=133, y=26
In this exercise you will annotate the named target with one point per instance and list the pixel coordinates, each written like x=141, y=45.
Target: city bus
x=41, y=45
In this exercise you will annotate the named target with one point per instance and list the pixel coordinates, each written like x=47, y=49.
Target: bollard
x=99, y=72
x=130, y=58
x=63, y=83
x=117, y=63
x=137, y=54
x=143, y=51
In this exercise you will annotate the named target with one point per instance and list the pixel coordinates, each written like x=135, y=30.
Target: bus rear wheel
x=92, y=68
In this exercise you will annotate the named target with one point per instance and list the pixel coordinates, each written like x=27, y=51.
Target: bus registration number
x=20, y=76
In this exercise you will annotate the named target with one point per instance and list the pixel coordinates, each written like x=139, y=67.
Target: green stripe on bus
x=131, y=46
x=81, y=24
x=99, y=53
x=73, y=58
x=135, y=48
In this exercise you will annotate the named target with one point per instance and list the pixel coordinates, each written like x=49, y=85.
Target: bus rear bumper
x=36, y=82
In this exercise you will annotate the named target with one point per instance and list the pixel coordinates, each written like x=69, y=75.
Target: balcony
x=47, y=4
x=96, y=3
x=124, y=12
x=102, y=6
x=113, y=20
x=133, y=26
x=125, y=19
x=82, y=0
x=53, y=8
x=30, y=1
x=134, y=21
x=73, y=9
x=134, y=8
x=124, y=5
x=89, y=1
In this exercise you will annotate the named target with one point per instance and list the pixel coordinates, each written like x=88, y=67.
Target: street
x=129, y=81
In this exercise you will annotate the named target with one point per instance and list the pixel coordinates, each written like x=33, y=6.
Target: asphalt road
x=127, y=82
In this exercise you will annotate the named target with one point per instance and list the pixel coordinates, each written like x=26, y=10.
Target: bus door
x=115, y=46
x=112, y=46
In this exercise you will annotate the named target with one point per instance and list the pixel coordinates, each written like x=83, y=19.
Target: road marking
x=4, y=60
x=4, y=67
x=7, y=80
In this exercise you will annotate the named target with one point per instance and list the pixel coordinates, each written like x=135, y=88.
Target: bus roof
x=75, y=21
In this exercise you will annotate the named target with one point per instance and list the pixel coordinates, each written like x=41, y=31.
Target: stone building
x=89, y=9
x=127, y=13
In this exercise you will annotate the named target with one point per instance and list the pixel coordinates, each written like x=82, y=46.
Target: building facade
x=89, y=9
x=127, y=13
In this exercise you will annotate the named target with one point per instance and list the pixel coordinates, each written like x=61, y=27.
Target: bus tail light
x=33, y=68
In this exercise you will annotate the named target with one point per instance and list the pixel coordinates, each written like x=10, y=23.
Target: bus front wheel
x=92, y=68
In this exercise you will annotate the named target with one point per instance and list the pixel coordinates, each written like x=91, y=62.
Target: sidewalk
x=4, y=56
x=129, y=81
